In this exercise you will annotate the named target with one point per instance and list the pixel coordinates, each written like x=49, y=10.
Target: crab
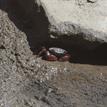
x=54, y=54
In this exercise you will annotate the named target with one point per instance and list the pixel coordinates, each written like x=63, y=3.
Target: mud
x=28, y=81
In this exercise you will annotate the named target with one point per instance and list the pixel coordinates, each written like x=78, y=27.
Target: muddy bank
x=28, y=81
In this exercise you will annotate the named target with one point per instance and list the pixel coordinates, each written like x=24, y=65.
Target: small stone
x=50, y=90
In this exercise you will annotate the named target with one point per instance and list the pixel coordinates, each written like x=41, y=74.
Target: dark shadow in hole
x=30, y=19
x=98, y=56
x=35, y=24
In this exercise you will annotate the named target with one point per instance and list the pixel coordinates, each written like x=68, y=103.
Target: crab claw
x=65, y=58
x=52, y=58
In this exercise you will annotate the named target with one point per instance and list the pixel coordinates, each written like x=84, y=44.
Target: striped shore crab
x=54, y=54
